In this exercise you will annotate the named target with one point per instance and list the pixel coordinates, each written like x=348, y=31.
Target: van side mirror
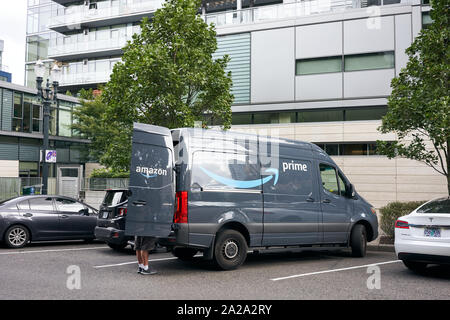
x=351, y=191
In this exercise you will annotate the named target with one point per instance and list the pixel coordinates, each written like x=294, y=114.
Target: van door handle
x=310, y=199
x=139, y=203
x=326, y=201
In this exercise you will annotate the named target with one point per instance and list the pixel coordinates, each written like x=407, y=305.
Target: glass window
x=17, y=105
x=42, y=204
x=24, y=205
x=114, y=197
x=436, y=206
x=267, y=117
x=328, y=176
x=426, y=19
x=32, y=49
x=241, y=118
x=369, y=113
x=320, y=115
x=27, y=109
x=28, y=169
x=354, y=149
x=369, y=61
x=342, y=185
x=218, y=170
x=319, y=65
x=37, y=118
x=65, y=121
x=332, y=149
x=67, y=205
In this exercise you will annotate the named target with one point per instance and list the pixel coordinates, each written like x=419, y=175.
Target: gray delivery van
x=223, y=193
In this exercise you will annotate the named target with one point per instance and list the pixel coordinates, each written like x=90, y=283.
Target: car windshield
x=113, y=197
x=436, y=206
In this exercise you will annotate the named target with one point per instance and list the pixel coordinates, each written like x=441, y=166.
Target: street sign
x=50, y=156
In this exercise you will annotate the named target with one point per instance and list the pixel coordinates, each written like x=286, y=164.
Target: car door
x=43, y=217
x=152, y=182
x=75, y=220
x=337, y=209
x=291, y=204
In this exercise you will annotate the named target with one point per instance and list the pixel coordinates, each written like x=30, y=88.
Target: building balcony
x=84, y=79
x=80, y=17
x=88, y=49
x=292, y=10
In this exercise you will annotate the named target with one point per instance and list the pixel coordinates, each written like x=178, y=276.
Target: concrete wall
x=9, y=168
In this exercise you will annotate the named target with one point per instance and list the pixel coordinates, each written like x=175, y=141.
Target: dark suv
x=111, y=219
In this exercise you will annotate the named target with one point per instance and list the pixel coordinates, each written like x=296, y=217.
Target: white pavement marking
x=334, y=270
x=53, y=250
x=133, y=262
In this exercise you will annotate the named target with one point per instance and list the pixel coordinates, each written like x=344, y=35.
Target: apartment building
x=4, y=74
x=314, y=70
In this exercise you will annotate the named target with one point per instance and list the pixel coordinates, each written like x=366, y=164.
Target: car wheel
x=117, y=247
x=230, y=250
x=17, y=236
x=415, y=266
x=184, y=254
x=358, y=241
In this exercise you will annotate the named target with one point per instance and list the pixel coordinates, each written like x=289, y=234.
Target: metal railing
x=101, y=184
x=291, y=10
x=87, y=46
x=14, y=187
x=82, y=14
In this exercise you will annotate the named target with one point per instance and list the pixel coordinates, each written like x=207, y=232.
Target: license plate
x=432, y=232
x=105, y=215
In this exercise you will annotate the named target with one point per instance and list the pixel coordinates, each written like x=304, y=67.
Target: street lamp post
x=47, y=96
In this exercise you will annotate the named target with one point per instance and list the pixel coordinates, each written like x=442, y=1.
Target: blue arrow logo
x=148, y=176
x=244, y=184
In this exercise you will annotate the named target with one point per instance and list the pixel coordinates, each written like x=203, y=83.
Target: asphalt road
x=47, y=271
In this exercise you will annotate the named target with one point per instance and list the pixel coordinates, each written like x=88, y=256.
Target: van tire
x=358, y=241
x=230, y=249
x=184, y=254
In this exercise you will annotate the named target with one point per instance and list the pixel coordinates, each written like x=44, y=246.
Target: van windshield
x=114, y=197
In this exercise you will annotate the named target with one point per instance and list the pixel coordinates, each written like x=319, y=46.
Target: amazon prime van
x=224, y=193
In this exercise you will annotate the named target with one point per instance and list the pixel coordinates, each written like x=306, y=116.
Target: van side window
x=342, y=185
x=329, y=180
x=294, y=177
x=220, y=170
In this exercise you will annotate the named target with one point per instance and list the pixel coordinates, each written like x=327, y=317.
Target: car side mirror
x=351, y=191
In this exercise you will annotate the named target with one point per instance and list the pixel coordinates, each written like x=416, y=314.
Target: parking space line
x=52, y=250
x=334, y=270
x=133, y=262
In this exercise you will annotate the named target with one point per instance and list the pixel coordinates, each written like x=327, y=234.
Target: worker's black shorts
x=144, y=243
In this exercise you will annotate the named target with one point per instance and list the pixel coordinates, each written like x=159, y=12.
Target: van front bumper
x=111, y=235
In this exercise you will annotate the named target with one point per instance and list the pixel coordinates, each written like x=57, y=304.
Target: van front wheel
x=230, y=250
x=358, y=241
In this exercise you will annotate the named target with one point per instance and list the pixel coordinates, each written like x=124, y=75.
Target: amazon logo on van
x=151, y=172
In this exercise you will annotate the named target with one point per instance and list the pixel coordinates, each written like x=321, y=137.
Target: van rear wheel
x=358, y=241
x=230, y=249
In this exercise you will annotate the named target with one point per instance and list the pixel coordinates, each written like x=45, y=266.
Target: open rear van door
x=152, y=182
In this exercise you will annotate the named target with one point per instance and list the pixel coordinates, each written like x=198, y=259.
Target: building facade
x=316, y=70
x=4, y=74
x=21, y=138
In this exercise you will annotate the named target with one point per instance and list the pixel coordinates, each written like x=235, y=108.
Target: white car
x=423, y=236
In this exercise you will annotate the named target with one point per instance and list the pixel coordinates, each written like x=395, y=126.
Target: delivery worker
x=143, y=245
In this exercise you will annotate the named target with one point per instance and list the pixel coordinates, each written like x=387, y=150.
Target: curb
x=381, y=247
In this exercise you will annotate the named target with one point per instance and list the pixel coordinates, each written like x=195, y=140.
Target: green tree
x=89, y=123
x=418, y=107
x=167, y=77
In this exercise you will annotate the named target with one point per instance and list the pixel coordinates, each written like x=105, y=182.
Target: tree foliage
x=418, y=107
x=167, y=77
